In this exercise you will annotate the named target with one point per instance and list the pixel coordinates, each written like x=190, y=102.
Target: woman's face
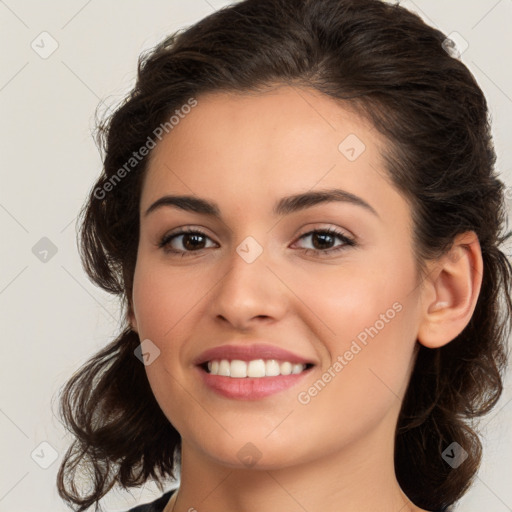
x=255, y=281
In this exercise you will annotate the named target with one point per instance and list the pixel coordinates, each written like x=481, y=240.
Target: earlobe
x=450, y=292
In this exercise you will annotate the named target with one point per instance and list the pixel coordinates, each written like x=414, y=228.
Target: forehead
x=285, y=113
x=288, y=139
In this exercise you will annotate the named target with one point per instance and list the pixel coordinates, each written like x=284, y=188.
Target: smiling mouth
x=256, y=368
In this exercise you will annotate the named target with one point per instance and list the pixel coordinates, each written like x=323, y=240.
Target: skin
x=336, y=452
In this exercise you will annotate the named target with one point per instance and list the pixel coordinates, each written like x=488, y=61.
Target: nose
x=249, y=293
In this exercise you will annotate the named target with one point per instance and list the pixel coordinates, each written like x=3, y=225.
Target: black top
x=159, y=504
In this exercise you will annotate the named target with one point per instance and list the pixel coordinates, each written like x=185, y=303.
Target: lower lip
x=248, y=388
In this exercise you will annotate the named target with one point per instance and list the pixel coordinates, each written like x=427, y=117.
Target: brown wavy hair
x=389, y=66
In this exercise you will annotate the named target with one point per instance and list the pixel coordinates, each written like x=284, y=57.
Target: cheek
x=348, y=300
x=369, y=318
x=162, y=300
x=369, y=357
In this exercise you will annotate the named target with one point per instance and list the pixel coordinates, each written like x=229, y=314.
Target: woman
x=300, y=211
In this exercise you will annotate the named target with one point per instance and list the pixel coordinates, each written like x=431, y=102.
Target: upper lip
x=248, y=353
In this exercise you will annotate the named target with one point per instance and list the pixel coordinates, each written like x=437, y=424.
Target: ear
x=450, y=292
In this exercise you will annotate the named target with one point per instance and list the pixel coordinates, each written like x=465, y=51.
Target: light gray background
x=52, y=317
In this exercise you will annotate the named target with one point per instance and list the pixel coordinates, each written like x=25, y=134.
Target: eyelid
x=193, y=228
x=331, y=228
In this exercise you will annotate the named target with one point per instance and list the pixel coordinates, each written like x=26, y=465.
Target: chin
x=240, y=452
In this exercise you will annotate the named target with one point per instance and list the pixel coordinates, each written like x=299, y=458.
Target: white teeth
x=286, y=368
x=224, y=368
x=297, y=368
x=256, y=368
x=238, y=368
x=272, y=368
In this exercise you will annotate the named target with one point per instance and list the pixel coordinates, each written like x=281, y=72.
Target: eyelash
x=348, y=242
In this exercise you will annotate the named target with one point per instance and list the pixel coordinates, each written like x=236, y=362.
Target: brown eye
x=190, y=241
x=323, y=240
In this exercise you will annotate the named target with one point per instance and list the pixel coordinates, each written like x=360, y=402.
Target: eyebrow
x=284, y=206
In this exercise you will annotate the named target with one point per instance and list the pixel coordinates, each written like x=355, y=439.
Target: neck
x=357, y=478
